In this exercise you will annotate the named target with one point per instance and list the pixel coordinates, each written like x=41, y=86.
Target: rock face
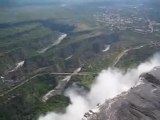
x=140, y=103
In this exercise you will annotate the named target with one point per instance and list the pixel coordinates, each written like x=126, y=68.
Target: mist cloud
x=108, y=84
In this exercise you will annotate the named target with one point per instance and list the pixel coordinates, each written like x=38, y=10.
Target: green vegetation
x=135, y=57
x=27, y=30
x=26, y=101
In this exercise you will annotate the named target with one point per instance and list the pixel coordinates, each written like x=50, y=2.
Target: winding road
x=76, y=72
x=125, y=52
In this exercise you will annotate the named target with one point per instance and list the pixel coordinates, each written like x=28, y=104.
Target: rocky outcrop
x=141, y=102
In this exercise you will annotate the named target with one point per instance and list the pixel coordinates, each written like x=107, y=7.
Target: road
x=80, y=73
x=22, y=83
x=125, y=52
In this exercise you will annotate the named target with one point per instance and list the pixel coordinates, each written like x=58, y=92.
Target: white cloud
x=108, y=84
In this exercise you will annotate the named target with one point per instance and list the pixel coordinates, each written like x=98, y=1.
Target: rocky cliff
x=141, y=102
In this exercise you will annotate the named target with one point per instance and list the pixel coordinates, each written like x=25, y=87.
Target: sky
x=12, y=2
